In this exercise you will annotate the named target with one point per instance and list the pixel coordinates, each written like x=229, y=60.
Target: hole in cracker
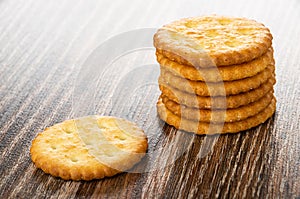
x=53, y=147
x=244, y=31
x=191, y=33
x=120, y=137
x=74, y=160
x=231, y=43
x=68, y=131
x=191, y=24
x=211, y=33
x=224, y=21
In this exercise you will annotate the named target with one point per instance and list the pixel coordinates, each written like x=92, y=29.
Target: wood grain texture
x=43, y=45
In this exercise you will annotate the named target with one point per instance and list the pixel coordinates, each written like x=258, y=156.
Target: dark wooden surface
x=43, y=46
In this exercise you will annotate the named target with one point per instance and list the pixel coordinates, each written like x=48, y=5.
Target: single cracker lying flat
x=210, y=128
x=228, y=73
x=216, y=89
x=217, y=116
x=231, y=101
x=90, y=147
x=223, y=40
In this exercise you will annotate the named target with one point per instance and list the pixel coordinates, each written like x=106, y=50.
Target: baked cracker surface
x=87, y=148
x=223, y=40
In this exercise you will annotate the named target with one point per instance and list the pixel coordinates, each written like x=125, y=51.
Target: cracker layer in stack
x=217, y=74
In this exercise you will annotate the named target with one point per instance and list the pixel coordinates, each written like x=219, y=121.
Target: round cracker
x=218, y=116
x=87, y=148
x=232, y=101
x=228, y=73
x=215, y=89
x=210, y=128
x=224, y=40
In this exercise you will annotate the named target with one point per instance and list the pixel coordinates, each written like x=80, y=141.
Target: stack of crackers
x=217, y=74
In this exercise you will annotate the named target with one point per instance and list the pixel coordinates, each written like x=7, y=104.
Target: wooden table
x=44, y=45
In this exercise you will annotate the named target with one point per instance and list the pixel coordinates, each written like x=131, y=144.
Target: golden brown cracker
x=87, y=148
x=211, y=128
x=229, y=115
x=231, y=101
x=225, y=40
x=228, y=73
x=216, y=89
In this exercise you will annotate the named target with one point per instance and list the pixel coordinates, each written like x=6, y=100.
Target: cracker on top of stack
x=217, y=74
